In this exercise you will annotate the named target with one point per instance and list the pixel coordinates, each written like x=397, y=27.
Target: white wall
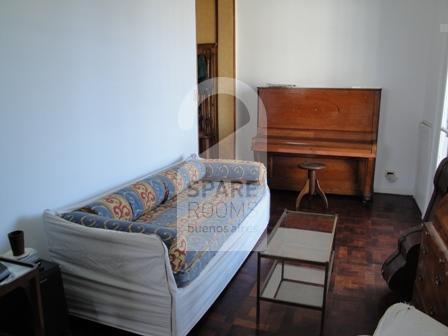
x=89, y=96
x=382, y=43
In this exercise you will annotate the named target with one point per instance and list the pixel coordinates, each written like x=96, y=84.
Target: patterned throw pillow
x=234, y=171
x=180, y=177
x=113, y=206
x=194, y=169
x=144, y=195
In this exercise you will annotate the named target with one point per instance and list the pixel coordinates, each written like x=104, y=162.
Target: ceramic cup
x=17, y=242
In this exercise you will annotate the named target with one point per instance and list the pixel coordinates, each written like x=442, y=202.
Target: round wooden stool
x=312, y=185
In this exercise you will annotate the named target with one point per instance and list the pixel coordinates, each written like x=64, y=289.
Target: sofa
x=152, y=256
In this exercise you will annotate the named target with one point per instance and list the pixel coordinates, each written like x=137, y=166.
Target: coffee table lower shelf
x=297, y=285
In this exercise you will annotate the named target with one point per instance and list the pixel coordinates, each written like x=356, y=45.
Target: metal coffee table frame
x=310, y=269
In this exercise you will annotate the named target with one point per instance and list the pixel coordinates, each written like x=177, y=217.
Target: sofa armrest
x=117, y=278
x=174, y=242
x=114, y=254
x=234, y=171
x=167, y=235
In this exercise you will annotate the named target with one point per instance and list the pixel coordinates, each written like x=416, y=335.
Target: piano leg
x=369, y=171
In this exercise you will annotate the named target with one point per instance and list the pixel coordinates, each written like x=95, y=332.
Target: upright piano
x=337, y=127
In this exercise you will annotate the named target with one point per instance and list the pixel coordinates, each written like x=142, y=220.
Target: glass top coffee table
x=301, y=246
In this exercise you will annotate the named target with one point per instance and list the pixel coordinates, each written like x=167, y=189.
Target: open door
x=215, y=35
x=208, y=100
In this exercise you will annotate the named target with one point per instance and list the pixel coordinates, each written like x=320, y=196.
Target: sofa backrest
x=130, y=202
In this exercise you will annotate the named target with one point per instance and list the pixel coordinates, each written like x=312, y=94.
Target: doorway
x=215, y=35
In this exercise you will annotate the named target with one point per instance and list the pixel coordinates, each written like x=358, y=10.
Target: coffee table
x=302, y=249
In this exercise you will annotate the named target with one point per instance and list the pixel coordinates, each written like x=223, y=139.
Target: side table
x=22, y=275
x=53, y=299
x=20, y=306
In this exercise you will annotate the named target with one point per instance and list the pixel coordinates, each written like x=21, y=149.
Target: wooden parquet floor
x=365, y=236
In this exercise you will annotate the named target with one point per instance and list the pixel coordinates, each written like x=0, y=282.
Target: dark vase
x=17, y=242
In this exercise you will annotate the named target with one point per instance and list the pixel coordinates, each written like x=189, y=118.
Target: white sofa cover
x=124, y=280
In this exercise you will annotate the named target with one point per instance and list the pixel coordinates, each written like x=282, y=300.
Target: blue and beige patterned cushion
x=177, y=253
x=168, y=235
x=234, y=171
x=113, y=206
x=205, y=215
x=144, y=195
x=180, y=177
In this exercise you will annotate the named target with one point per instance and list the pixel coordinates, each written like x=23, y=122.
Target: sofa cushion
x=144, y=195
x=182, y=176
x=234, y=171
x=203, y=216
x=176, y=243
x=113, y=206
x=167, y=235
